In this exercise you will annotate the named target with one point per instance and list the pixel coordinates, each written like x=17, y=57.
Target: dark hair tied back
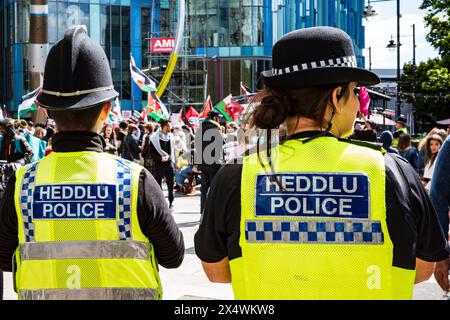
x=272, y=110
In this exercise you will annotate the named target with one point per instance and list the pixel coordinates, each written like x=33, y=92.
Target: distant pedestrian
x=130, y=146
x=406, y=150
x=164, y=155
x=386, y=139
x=400, y=127
x=109, y=135
x=433, y=146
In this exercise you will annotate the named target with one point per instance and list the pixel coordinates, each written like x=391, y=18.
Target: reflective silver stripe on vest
x=90, y=294
x=314, y=231
x=85, y=250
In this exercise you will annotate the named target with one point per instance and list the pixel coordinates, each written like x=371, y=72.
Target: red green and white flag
x=29, y=103
x=207, y=107
x=115, y=115
x=156, y=109
x=222, y=107
x=140, y=78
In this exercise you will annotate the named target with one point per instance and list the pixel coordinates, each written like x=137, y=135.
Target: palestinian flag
x=115, y=115
x=140, y=78
x=29, y=103
x=222, y=108
x=156, y=109
x=245, y=90
x=207, y=107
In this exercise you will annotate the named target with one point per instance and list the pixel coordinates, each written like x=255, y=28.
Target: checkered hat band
x=320, y=231
x=349, y=61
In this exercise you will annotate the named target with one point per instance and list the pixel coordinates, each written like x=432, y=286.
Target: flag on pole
x=245, y=90
x=192, y=117
x=221, y=107
x=234, y=109
x=207, y=107
x=140, y=78
x=364, y=100
x=115, y=115
x=156, y=109
x=29, y=102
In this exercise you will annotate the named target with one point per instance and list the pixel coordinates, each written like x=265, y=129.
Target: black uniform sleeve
x=8, y=226
x=219, y=231
x=157, y=223
x=411, y=219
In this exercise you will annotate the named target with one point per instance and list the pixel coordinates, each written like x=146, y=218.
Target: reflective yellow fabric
x=395, y=141
x=83, y=168
x=269, y=270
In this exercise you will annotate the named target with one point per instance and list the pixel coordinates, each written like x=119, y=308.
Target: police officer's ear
x=338, y=98
x=105, y=111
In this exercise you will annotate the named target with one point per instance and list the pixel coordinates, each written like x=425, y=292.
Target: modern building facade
x=225, y=41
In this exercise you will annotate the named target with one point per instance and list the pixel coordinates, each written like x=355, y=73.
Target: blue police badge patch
x=314, y=195
x=74, y=201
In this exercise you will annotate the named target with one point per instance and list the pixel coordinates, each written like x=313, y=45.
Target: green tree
x=428, y=85
x=437, y=18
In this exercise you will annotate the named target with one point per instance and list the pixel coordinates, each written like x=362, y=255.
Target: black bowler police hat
x=77, y=74
x=315, y=56
x=401, y=119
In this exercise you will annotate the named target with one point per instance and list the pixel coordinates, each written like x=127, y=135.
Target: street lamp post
x=398, y=59
x=370, y=11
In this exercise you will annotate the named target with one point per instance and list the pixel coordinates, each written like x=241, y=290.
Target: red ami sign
x=162, y=45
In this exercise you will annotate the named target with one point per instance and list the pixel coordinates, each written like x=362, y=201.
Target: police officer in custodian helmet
x=84, y=224
x=317, y=216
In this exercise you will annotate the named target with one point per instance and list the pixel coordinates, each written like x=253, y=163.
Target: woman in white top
x=433, y=145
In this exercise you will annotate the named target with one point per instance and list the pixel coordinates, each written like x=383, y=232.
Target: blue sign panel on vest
x=74, y=201
x=331, y=195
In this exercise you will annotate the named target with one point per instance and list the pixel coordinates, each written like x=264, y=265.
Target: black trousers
x=208, y=174
x=165, y=171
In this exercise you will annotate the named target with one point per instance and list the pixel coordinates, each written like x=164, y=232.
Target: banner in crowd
x=140, y=78
x=222, y=107
x=364, y=101
x=156, y=108
x=115, y=115
x=29, y=103
x=207, y=107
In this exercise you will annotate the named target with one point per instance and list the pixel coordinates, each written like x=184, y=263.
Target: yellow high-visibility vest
x=321, y=232
x=79, y=235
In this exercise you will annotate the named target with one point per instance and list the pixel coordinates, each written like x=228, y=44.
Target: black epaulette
x=371, y=145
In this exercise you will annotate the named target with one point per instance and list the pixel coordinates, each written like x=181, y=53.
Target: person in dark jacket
x=208, y=154
x=386, y=139
x=130, y=146
x=406, y=150
x=162, y=151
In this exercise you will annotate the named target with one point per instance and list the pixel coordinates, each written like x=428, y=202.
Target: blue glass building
x=226, y=41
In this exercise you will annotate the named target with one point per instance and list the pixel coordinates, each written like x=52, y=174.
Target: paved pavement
x=189, y=282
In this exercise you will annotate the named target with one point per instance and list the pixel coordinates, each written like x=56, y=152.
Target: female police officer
x=317, y=217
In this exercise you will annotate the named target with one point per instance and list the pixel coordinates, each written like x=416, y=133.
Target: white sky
x=380, y=28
